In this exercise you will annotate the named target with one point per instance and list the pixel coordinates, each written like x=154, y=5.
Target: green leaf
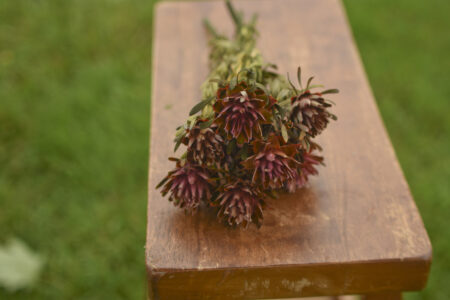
x=270, y=66
x=280, y=110
x=199, y=106
x=309, y=81
x=302, y=135
x=308, y=145
x=247, y=72
x=237, y=18
x=292, y=85
x=312, y=86
x=244, y=152
x=330, y=102
x=231, y=146
x=330, y=91
x=283, y=94
x=275, y=87
x=204, y=125
x=262, y=87
x=160, y=184
x=299, y=77
x=251, y=75
x=210, y=28
x=218, y=81
x=233, y=83
x=179, y=140
x=19, y=265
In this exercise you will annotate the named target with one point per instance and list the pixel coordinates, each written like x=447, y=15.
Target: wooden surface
x=355, y=230
x=325, y=298
x=383, y=296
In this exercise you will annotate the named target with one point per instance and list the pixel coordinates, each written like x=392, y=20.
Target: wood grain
x=354, y=230
x=383, y=296
x=326, y=298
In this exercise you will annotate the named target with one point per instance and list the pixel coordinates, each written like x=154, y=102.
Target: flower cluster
x=251, y=135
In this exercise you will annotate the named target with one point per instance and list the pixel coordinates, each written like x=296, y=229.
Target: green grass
x=74, y=108
x=405, y=47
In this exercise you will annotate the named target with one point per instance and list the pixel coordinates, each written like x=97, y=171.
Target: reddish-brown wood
x=355, y=230
x=325, y=298
x=383, y=296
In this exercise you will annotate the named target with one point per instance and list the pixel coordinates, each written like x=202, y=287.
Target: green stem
x=210, y=28
x=234, y=14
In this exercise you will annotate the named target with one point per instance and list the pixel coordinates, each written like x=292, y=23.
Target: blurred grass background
x=74, y=115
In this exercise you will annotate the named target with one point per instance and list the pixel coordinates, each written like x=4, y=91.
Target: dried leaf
x=19, y=265
x=284, y=133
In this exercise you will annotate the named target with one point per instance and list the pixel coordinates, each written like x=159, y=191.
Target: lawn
x=74, y=115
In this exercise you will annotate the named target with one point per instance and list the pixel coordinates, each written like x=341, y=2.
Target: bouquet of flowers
x=251, y=135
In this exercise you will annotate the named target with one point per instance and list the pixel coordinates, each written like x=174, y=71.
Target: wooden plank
x=383, y=296
x=321, y=298
x=356, y=228
x=325, y=298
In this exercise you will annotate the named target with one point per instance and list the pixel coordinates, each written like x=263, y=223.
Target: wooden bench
x=355, y=230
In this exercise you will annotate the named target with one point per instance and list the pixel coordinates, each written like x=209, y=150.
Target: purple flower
x=187, y=185
x=309, y=112
x=240, y=203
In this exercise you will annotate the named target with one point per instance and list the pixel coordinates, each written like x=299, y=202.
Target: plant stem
x=210, y=28
x=234, y=14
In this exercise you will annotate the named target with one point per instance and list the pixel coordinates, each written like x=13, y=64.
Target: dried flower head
x=272, y=164
x=187, y=185
x=240, y=112
x=204, y=144
x=240, y=203
x=252, y=132
x=310, y=112
x=307, y=167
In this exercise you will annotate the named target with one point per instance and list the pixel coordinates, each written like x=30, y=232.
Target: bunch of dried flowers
x=252, y=133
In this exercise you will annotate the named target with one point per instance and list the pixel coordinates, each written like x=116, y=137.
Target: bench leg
x=384, y=296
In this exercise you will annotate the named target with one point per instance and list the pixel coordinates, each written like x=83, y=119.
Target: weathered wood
x=325, y=298
x=355, y=230
x=383, y=296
